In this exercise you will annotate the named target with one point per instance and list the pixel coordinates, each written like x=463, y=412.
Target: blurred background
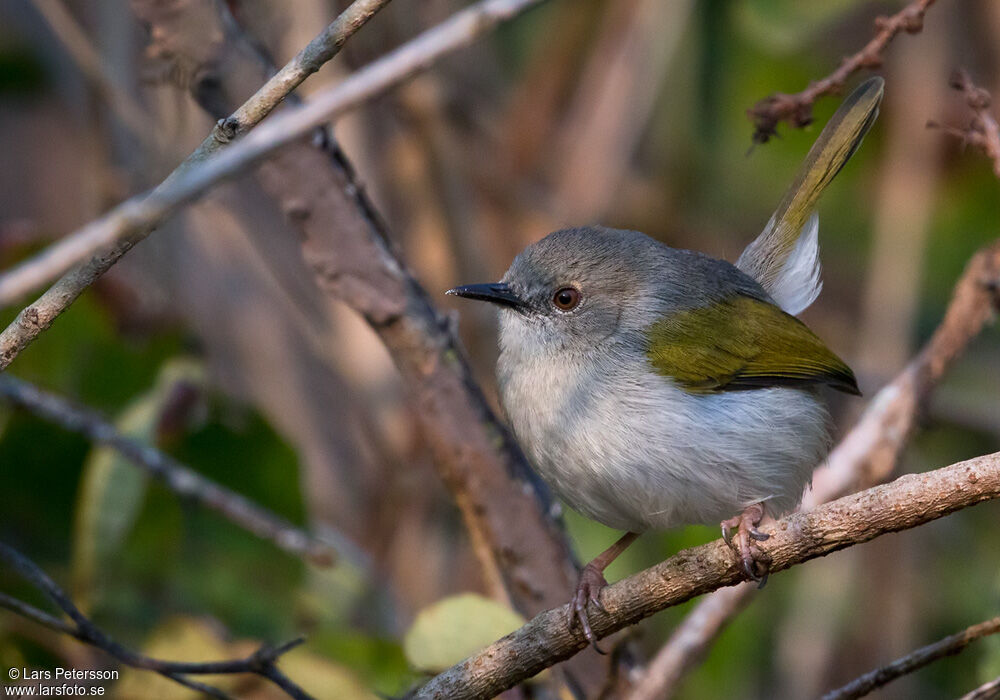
x=211, y=340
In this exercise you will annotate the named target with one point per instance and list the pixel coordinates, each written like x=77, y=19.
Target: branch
x=179, y=478
x=348, y=246
x=913, y=661
x=867, y=455
x=796, y=109
x=134, y=219
x=907, y=502
x=261, y=662
x=983, y=131
x=125, y=233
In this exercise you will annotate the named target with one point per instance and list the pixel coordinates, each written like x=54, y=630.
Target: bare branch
x=179, y=478
x=345, y=240
x=914, y=661
x=134, y=219
x=907, y=502
x=261, y=662
x=796, y=109
x=867, y=455
x=983, y=131
x=56, y=260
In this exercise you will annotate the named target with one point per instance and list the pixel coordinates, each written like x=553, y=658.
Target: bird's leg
x=590, y=584
x=745, y=541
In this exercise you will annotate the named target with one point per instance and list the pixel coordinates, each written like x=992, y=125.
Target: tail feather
x=784, y=258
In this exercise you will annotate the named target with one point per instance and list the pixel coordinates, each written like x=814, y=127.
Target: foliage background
x=211, y=341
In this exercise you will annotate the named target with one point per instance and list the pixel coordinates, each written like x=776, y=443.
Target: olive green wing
x=742, y=343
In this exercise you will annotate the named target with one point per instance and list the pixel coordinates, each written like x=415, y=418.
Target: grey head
x=582, y=288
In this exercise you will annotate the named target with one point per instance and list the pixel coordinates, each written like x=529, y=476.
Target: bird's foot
x=755, y=560
x=588, y=590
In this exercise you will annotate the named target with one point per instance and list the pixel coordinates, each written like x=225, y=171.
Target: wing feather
x=742, y=343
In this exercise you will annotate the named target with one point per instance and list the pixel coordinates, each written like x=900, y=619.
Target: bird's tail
x=784, y=258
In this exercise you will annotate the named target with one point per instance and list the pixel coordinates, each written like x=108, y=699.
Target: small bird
x=653, y=387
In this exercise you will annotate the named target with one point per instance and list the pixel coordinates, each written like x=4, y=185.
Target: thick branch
x=261, y=662
x=983, y=132
x=179, y=478
x=909, y=501
x=866, y=456
x=347, y=244
x=913, y=661
x=796, y=109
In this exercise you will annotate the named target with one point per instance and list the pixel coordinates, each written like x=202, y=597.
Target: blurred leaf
x=322, y=679
x=178, y=639
x=787, y=25
x=454, y=628
x=112, y=489
x=189, y=639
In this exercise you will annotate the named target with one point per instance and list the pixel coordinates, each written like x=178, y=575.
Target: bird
x=653, y=387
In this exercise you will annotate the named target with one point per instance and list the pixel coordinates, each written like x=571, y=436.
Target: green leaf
x=112, y=489
x=454, y=628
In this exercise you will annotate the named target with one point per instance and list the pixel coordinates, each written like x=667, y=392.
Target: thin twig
x=796, y=109
x=508, y=514
x=179, y=478
x=867, y=455
x=913, y=661
x=261, y=662
x=909, y=501
x=983, y=132
x=134, y=219
x=51, y=263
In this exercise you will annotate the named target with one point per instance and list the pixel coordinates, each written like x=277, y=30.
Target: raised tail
x=784, y=258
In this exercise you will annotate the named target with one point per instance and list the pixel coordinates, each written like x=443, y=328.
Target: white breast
x=628, y=448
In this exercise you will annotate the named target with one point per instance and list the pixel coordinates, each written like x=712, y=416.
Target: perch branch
x=796, y=109
x=983, y=131
x=914, y=661
x=261, y=662
x=179, y=478
x=909, y=501
x=867, y=455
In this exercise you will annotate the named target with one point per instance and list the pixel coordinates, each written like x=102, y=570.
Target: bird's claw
x=588, y=590
x=755, y=561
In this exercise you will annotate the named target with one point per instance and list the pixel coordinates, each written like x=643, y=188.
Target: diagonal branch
x=134, y=219
x=914, y=661
x=262, y=662
x=867, y=455
x=983, y=131
x=70, y=251
x=796, y=109
x=905, y=503
x=346, y=242
x=179, y=478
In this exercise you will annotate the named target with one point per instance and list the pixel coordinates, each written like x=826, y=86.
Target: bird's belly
x=637, y=454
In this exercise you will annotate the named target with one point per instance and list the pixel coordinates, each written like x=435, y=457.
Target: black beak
x=497, y=293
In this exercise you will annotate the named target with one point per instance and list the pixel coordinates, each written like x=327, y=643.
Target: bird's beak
x=496, y=292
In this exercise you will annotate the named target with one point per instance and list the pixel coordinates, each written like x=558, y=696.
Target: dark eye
x=566, y=299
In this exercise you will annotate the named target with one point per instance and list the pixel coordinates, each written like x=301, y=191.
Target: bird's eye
x=566, y=299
